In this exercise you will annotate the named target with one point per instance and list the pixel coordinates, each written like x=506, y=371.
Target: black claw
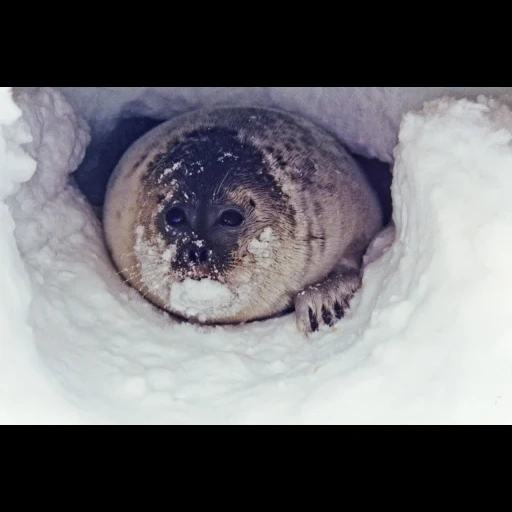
x=326, y=316
x=313, y=321
x=338, y=310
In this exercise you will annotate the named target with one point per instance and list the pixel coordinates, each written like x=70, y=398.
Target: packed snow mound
x=201, y=299
x=26, y=392
x=427, y=339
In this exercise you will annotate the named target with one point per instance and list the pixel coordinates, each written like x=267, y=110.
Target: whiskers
x=150, y=275
x=218, y=188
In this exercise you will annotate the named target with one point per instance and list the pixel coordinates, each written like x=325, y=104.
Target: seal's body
x=234, y=214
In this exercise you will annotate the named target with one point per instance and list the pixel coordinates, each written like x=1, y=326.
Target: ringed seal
x=228, y=215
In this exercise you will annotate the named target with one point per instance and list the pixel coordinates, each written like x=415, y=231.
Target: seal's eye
x=231, y=218
x=175, y=216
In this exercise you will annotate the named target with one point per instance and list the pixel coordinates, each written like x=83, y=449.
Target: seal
x=234, y=214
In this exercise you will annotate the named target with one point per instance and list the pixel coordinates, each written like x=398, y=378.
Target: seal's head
x=213, y=229
x=228, y=215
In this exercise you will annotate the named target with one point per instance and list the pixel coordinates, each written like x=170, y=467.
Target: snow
x=264, y=246
x=427, y=339
x=202, y=299
x=26, y=393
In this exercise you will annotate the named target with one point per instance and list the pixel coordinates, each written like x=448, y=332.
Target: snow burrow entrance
x=427, y=338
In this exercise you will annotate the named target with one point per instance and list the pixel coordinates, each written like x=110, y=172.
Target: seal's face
x=214, y=213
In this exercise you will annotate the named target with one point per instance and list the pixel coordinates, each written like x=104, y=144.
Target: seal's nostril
x=203, y=256
x=197, y=255
x=192, y=255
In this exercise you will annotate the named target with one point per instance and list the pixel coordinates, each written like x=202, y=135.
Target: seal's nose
x=198, y=255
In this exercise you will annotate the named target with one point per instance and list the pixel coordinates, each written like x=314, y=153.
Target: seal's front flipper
x=326, y=302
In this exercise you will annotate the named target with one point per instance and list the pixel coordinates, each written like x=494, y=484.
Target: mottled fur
x=307, y=188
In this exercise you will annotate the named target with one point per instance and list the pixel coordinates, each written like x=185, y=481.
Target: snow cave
x=428, y=338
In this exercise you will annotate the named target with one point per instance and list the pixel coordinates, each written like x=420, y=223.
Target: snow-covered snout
x=205, y=235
